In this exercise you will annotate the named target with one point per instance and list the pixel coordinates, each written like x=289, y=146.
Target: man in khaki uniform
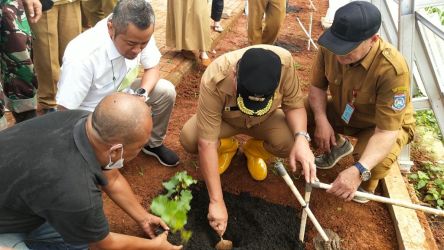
x=96, y=10
x=369, y=83
x=252, y=91
x=274, y=11
x=57, y=27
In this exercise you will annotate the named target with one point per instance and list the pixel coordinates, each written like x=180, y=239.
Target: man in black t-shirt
x=52, y=171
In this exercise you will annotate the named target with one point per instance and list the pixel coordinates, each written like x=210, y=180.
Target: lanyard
x=354, y=94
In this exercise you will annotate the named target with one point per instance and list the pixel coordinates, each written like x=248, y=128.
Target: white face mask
x=115, y=165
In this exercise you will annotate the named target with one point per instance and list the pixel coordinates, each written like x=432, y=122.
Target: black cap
x=353, y=23
x=258, y=75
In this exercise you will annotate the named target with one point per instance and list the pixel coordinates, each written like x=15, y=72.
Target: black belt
x=236, y=108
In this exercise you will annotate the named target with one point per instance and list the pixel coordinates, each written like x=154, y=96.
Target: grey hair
x=138, y=12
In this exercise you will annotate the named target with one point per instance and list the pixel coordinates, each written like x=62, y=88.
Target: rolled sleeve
x=150, y=56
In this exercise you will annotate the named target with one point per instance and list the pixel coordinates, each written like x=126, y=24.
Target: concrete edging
x=409, y=231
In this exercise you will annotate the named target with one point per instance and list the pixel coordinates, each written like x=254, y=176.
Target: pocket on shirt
x=365, y=102
x=334, y=86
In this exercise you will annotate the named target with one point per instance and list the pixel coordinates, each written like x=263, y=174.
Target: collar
x=368, y=59
x=111, y=49
x=83, y=145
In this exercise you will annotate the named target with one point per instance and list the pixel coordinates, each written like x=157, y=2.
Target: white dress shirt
x=93, y=68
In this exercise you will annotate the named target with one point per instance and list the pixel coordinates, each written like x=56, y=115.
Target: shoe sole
x=157, y=157
x=337, y=160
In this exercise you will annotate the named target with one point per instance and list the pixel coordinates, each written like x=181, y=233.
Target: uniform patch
x=398, y=102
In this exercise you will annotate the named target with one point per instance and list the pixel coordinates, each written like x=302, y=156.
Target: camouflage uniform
x=17, y=79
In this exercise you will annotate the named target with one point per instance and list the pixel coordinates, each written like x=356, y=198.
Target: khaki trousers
x=161, y=100
x=274, y=11
x=96, y=10
x=277, y=137
x=55, y=29
x=362, y=135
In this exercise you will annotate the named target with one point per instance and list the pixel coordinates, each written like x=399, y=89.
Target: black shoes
x=19, y=117
x=165, y=155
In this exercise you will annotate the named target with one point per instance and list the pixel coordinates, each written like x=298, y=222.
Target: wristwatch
x=142, y=92
x=304, y=134
x=365, y=173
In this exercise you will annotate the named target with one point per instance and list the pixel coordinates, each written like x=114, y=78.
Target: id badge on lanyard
x=349, y=109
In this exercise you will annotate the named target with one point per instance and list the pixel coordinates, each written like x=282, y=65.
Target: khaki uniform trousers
x=55, y=29
x=96, y=10
x=274, y=11
x=362, y=135
x=277, y=137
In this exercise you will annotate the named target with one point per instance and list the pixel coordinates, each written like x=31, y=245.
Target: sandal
x=218, y=28
x=205, y=62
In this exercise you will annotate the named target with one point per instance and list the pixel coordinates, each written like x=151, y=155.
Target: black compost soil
x=253, y=223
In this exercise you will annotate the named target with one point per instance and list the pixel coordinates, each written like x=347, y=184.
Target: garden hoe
x=386, y=200
x=328, y=239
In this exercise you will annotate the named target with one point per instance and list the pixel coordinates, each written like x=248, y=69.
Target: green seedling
x=173, y=206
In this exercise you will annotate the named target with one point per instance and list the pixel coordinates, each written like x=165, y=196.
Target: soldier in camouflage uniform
x=18, y=83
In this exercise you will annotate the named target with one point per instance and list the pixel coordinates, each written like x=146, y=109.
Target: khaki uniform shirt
x=60, y=2
x=378, y=87
x=218, y=93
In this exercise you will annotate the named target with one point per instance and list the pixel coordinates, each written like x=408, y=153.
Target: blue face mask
x=115, y=165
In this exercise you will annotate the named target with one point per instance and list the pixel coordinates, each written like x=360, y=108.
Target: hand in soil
x=224, y=244
x=163, y=243
x=218, y=217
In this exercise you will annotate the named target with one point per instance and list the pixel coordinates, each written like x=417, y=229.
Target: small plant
x=428, y=120
x=173, y=206
x=429, y=184
x=437, y=11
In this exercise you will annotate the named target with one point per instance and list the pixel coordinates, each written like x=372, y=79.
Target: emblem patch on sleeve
x=398, y=102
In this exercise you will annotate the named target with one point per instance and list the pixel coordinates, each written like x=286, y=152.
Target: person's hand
x=150, y=223
x=162, y=242
x=33, y=9
x=324, y=135
x=302, y=153
x=218, y=217
x=346, y=184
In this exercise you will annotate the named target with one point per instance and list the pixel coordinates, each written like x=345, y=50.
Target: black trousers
x=217, y=8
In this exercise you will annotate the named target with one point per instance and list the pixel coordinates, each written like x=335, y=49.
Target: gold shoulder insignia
x=400, y=89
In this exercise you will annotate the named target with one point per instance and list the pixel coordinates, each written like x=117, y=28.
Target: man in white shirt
x=106, y=59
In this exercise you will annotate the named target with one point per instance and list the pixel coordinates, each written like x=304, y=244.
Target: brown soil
x=359, y=226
